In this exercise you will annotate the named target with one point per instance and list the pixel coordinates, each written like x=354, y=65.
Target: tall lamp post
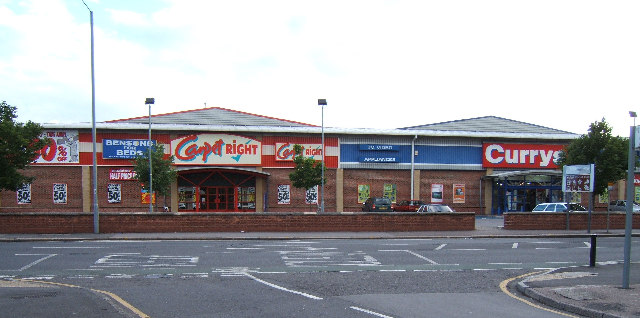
x=322, y=103
x=626, y=269
x=94, y=174
x=150, y=101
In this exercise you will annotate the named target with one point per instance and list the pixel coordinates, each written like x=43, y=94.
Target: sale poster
x=114, y=191
x=24, y=194
x=284, y=194
x=311, y=195
x=59, y=193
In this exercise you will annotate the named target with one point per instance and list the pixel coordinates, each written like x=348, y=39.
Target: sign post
x=579, y=178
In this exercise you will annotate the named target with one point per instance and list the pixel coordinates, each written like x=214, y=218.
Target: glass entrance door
x=219, y=199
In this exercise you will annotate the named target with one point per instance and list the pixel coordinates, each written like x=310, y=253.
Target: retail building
x=231, y=161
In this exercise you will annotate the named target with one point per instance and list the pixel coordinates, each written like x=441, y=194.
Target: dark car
x=408, y=206
x=376, y=204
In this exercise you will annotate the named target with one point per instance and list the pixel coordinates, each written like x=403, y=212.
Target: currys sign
x=520, y=156
x=216, y=149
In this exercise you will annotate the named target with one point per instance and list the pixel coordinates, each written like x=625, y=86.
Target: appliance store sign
x=520, y=156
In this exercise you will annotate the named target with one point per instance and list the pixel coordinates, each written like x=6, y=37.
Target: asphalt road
x=281, y=278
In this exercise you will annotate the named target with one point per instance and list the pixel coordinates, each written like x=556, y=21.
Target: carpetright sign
x=216, y=149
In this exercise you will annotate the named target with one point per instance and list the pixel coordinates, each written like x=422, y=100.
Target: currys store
x=522, y=175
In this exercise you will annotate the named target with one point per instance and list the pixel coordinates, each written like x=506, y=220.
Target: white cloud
x=560, y=64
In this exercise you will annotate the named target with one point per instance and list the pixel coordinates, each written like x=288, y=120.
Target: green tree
x=608, y=153
x=19, y=146
x=307, y=172
x=163, y=173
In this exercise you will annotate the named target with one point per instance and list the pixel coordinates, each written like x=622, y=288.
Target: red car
x=408, y=206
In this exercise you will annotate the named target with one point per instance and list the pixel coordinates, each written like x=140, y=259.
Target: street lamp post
x=626, y=269
x=150, y=101
x=322, y=103
x=94, y=172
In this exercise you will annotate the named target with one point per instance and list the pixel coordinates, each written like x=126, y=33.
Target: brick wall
x=33, y=223
x=558, y=221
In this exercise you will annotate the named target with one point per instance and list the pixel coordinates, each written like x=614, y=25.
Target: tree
x=163, y=173
x=307, y=172
x=19, y=146
x=598, y=146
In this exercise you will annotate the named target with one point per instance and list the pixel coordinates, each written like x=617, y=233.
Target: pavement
x=579, y=291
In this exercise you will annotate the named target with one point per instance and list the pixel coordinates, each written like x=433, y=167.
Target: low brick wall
x=65, y=223
x=558, y=221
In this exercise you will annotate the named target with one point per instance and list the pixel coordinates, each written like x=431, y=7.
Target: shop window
x=246, y=198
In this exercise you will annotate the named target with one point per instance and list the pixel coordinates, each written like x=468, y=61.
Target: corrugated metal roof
x=488, y=124
x=213, y=116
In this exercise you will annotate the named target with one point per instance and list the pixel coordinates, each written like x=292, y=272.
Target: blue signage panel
x=379, y=147
x=379, y=159
x=124, y=148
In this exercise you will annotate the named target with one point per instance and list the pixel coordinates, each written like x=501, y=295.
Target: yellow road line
x=503, y=287
x=112, y=295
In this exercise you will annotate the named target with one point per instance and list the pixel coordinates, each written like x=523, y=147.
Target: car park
x=558, y=207
x=408, y=206
x=377, y=204
x=434, y=208
x=621, y=206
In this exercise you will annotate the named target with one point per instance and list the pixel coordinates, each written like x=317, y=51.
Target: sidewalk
x=585, y=291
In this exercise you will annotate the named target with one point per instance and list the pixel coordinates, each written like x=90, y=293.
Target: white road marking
x=67, y=247
x=280, y=287
x=370, y=312
x=414, y=254
x=245, y=248
x=469, y=249
x=515, y=245
x=36, y=261
x=440, y=247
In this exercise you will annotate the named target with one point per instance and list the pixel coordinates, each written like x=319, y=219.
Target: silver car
x=621, y=206
x=558, y=207
x=431, y=208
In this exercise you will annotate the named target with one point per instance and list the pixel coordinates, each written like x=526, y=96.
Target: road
x=282, y=278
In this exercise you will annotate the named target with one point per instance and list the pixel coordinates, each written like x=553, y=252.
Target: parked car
x=408, y=206
x=621, y=206
x=431, y=208
x=376, y=204
x=558, y=207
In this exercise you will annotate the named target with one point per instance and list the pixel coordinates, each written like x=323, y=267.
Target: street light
x=626, y=269
x=322, y=103
x=150, y=101
x=94, y=173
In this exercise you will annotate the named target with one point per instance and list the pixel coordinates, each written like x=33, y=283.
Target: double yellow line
x=503, y=287
x=113, y=296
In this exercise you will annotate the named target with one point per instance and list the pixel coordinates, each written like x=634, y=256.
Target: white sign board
x=578, y=178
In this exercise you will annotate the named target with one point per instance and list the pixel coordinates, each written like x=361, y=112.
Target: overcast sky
x=379, y=64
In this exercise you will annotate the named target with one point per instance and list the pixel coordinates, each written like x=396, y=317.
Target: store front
x=218, y=190
x=522, y=175
x=521, y=191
